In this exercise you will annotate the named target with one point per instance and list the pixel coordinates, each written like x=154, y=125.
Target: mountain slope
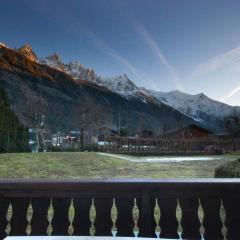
x=35, y=88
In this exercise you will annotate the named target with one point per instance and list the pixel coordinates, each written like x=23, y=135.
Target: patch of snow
x=27, y=51
x=120, y=84
x=3, y=45
x=164, y=159
x=53, y=61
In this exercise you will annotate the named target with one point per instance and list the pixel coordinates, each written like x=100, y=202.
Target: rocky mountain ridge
x=27, y=51
x=37, y=88
x=119, y=84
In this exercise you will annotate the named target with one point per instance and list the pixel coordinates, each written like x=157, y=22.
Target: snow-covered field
x=167, y=159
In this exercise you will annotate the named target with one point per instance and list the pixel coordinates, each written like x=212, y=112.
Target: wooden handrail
x=43, y=199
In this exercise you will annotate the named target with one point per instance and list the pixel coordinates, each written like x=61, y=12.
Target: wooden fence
x=166, y=146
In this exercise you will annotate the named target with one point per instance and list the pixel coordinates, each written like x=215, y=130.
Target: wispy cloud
x=231, y=93
x=218, y=62
x=224, y=61
x=73, y=25
x=114, y=54
x=158, y=52
x=108, y=50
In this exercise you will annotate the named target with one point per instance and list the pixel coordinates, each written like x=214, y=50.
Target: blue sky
x=193, y=46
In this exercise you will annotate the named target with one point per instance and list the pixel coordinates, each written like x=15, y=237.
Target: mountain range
x=208, y=112
x=35, y=88
x=60, y=89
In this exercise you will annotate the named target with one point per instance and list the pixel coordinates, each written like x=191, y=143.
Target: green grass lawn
x=94, y=165
x=237, y=153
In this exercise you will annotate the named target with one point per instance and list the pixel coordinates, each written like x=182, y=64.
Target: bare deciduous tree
x=92, y=116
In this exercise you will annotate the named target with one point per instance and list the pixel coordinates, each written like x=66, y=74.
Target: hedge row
x=228, y=170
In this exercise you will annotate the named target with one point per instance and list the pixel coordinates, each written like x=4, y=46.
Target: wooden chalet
x=192, y=131
x=145, y=134
x=104, y=132
x=232, y=135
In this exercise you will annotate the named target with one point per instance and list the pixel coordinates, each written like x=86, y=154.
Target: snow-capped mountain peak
x=27, y=51
x=78, y=71
x=73, y=68
x=120, y=84
x=198, y=106
x=3, y=45
x=53, y=61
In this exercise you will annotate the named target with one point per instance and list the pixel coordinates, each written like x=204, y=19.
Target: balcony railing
x=147, y=208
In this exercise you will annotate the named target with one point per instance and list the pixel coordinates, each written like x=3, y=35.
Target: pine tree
x=13, y=135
